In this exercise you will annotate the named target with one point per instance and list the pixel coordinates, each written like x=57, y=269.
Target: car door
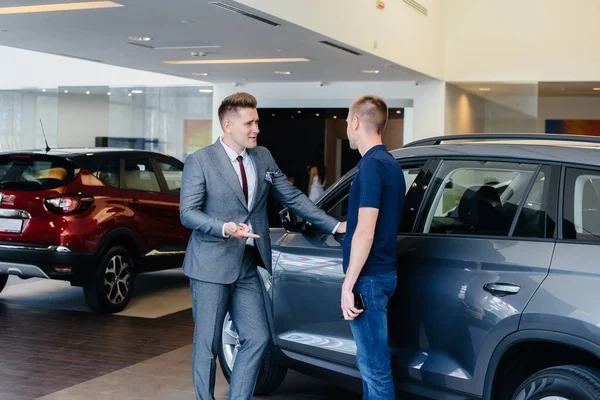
x=175, y=237
x=481, y=246
x=308, y=278
x=148, y=208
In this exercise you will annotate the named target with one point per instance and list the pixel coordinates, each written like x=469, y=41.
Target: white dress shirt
x=250, y=178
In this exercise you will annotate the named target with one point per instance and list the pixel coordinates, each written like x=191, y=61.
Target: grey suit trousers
x=244, y=300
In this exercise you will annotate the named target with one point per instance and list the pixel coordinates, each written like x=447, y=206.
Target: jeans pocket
x=382, y=291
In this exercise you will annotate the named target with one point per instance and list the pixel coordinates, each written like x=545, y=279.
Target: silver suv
x=498, y=275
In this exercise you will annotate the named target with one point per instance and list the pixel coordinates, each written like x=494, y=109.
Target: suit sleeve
x=191, y=204
x=292, y=197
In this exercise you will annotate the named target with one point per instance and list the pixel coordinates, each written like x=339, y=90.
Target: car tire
x=572, y=382
x=271, y=374
x=112, y=284
x=3, y=280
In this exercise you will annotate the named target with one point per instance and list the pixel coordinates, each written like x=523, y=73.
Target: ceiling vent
x=337, y=46
x=416, y=6
x=228, y=7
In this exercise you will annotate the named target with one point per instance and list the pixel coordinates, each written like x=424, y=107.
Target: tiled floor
x=51, y=353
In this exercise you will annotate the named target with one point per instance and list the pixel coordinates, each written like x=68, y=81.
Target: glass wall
x=174, y=120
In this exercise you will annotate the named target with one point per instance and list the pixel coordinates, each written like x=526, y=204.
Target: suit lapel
x=260, y=175
x=225, y=168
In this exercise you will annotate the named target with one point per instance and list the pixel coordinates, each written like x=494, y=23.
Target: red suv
x=94, y=217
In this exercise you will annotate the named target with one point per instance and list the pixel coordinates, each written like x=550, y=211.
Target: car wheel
x=112, y=284
x=271, y=374
x=3, y=280
x=571, y=382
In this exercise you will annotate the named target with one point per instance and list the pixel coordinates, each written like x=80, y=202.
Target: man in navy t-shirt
x=375, y=207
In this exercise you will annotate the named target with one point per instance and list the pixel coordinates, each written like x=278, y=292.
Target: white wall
x=517, y=40
x=465, y=112
x=398, y=33
x=567, y=108
x=81, y=118
x=426, y=100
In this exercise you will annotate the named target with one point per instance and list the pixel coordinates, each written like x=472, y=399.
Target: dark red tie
x=244, y=181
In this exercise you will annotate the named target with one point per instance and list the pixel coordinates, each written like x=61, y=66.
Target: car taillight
x=68, y=203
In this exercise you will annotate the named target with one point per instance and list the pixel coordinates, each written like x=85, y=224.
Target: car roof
x=79, y=151
x=571, y=149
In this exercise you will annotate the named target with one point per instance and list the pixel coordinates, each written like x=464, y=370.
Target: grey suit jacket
x=211, y=195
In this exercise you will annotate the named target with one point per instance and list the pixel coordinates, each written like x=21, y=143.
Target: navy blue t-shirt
x=378, y=184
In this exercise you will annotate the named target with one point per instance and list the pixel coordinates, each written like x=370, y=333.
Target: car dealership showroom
x=158, y=241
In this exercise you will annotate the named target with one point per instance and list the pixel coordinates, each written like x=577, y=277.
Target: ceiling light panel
x=238, y=61
x=89, y=5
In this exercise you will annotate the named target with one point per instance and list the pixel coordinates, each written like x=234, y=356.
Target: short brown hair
x=235, y=102
x=372, y=112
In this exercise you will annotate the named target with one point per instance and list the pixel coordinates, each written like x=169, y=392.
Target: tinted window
x=35, y=172
x=172, y=171
x=138, y=174
x=533, y=219
x=477, y=198
x=339, y=210
x=581, y=213
x=109, y=172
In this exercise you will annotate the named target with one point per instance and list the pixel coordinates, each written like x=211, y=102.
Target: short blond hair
x=234, y=102
x=372, y=111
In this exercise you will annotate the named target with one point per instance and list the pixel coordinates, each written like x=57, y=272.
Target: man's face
x=243, y=128
x=351, y=131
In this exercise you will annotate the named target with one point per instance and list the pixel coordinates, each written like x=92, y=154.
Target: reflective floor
x=54, y=348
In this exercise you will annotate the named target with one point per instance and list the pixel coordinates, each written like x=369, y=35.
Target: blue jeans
x=370, y=333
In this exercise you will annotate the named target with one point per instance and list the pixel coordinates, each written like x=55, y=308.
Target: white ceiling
x=102, y=35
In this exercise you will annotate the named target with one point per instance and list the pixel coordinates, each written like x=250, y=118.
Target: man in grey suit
x=223, y=200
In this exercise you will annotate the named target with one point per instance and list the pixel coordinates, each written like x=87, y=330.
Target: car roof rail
x=437, y=140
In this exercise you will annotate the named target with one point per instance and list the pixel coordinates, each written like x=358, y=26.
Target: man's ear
x=355, y=122
x=227, y=126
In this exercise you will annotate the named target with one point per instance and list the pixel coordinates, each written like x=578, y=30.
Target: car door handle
x=501, y=289
x=134, y=203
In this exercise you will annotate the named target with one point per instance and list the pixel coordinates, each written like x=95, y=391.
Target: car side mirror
x=291, y=222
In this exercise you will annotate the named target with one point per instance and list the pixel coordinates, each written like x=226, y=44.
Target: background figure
x=316, y=182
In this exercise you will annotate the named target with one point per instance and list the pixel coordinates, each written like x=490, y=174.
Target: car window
x=339, y=210
x=172, y=172
x=533, y=217
x=109, y=172
x=477, y=198
x=35, y=172
x=138, y=174
x=581, y=212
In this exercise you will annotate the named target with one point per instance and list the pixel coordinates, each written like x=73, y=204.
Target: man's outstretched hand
x=239, y=231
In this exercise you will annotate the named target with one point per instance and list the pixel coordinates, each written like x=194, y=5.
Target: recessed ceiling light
x=597, y=88
x=43, y=90
x=87, y=92
x=140, y=38
x=299, y=112
x=317, y=114
x=129, y=94
x=282, y=72
x=66, y=91
x=205, y=90
x=272, y=115
x=108, y=93
x=137, y=91
x=89, y=5
x=238, y=61
x=398, y=112
x=370, y=71
x=484, y=89
x=335, y=117
x=200, y=73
